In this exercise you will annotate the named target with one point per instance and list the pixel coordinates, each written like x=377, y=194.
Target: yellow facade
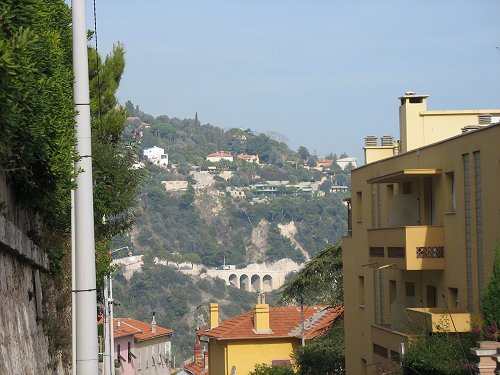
x=425, y=224
x=245, y=354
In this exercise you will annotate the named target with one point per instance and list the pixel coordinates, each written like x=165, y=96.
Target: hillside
x=221, y=213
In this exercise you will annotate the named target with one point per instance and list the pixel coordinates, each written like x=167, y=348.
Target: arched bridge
x=251, y=279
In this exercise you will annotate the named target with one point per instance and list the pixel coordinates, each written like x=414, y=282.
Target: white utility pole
x=73, y=297
x=85, y=277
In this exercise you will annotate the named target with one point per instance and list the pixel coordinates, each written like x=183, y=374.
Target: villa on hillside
x=265, y=335
x=344, y=162
x=249, y=158
x=324, y=163
x=218, y=156
x=156, y=155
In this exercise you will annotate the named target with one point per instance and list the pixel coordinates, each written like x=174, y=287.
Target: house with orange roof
x=141, y=348
x=218, y=156
x=249, y=158
x=324, y=163
x=265, y=335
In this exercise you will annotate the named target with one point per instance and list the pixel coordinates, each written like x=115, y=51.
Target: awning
x=405, y=175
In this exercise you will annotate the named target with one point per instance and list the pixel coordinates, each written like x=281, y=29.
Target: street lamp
x=109, y=339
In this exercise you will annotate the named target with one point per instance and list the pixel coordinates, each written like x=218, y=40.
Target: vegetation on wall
x=490, y=302
x=37, y=134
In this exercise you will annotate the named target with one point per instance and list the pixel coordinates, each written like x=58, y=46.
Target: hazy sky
x=323, y=73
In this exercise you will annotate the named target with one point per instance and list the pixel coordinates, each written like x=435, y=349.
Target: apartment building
x=425, y=221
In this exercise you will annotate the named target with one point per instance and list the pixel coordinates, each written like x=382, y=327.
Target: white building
x=344, y=162
x=156, y=155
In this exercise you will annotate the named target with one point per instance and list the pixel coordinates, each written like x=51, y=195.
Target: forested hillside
x=207, y=220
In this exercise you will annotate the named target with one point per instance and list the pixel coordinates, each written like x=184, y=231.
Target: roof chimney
x=153, y=323
x=261, y=318
x=214, y=315
x=198, y=355
x=118, y=323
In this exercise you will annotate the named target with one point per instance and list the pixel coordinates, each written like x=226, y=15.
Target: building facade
x=424, y=225
x=141, y=348
x=266, y=335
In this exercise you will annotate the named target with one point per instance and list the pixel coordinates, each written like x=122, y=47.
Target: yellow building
x=424, y=224
x=266, y=335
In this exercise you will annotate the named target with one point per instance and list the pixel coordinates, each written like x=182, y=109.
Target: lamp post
x=109, y=340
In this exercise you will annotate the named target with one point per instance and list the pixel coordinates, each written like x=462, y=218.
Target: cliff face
x=24, y=342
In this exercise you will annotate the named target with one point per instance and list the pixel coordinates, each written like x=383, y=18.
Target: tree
x=490, y=301
x=312, y=161
x=303, y=153
x=264, y=369
x=320, y=281
x=115, y=181
x=192, y=258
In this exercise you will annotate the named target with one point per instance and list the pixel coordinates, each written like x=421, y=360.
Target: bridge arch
x=255, y=283
x=233, y=280
x=244, y=282
x=267, y=283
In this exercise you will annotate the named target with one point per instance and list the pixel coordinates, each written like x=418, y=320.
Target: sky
x=324, y=74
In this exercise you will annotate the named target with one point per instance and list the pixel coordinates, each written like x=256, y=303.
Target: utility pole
x=106, y=362
x=85, y=276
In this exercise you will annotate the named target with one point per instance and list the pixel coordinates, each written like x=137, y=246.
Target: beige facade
x=425, y=224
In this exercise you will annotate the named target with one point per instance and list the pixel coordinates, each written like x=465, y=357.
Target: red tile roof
x=284, y=321
x=220, y=154
x=140, y=330
x=196, y=368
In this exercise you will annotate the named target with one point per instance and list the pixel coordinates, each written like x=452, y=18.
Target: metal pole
x=73, y=297
x=111, y=330
x=106, y=358
x=85, y=277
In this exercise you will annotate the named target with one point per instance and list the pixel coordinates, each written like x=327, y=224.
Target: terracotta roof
x=284, y=321
x=324, y=161
x=140, y=330
x=246, y=156
x=220, y=154
x=196, y=368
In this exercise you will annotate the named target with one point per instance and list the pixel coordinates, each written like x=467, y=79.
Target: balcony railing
x=408, y=248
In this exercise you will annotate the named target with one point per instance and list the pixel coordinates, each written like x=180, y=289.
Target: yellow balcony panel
x=387, y=342
x=409, y=248
x=438, y=320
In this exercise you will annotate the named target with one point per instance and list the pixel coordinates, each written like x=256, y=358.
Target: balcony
x=411, y=248
x=387, y=343
x=438, y=320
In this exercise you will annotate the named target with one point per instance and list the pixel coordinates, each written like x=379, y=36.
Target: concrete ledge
x=12, y=239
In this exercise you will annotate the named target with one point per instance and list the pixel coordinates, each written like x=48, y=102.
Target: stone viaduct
x=251, y=279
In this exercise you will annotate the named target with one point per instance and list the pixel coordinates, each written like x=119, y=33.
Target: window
x=394, y=356
x=406, y=187
x=452, y=298
x=359, y=206
x=168, y=349
x=431, y=296
x=380, y=350
x=361, y=290
x=139, y=359
x=452, y=195
x=410, y=290
x=392, y=291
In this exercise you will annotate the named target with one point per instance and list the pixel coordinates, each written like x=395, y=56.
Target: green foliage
x=115, y=181
x=264, y=369
x=323, y=355
x=37, y=134
x=490, y=301
x=439, y=354
x=320, y=281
